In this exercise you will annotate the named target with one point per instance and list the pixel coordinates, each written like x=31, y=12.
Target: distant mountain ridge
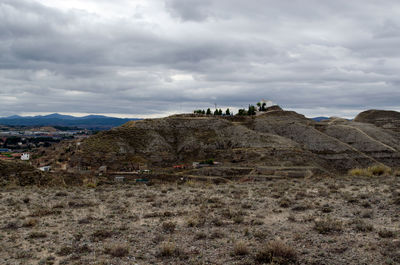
x=320, y=118
x=87, y=122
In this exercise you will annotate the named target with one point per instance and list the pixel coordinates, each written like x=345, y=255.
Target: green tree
x=208, y=111
x=251, y=110
x=242, y=112
x=227, y=112
x=263, y=107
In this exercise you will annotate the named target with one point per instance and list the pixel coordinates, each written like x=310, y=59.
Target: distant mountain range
x=320, y=118
x=98, y=122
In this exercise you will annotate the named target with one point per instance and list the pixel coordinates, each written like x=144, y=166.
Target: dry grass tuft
x=375, y=170
x=328, y=225
x=169, y=249
x=117, y=250
x=240, y=249
x=276, y=252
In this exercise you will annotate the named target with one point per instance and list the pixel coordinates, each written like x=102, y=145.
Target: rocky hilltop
x=386, y=119
x=273, y=139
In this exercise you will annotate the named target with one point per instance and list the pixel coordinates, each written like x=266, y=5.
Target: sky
x=153, y=58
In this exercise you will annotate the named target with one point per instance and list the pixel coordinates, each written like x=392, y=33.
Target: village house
x=25, y=156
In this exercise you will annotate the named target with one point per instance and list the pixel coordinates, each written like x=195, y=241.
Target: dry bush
x=385, y=233
x=37, y=235
x=101, y=235
x=169, y=249
x=44, y=212
x=169, y=227
x=200, y=235
x=358, y=172
x=379, y=170
x=240, y=249
x=328, y=225
x=196, y=220
x=117, y=250
x=30, y=223
x=362, y=226
x=375, y=170
x=276, y=252
x=285, y=203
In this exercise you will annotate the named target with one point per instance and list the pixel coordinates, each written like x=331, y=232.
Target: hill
x=386, y=119
x=87, y=122
x=276, y=139
x=19, y=173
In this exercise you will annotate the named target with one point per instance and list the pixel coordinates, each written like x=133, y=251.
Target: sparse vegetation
x=177, y=223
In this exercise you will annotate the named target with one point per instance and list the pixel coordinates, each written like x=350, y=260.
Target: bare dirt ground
x=347, y=220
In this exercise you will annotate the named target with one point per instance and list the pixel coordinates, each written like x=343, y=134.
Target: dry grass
x=375, y=170
x=276, y=252
x=240, y=248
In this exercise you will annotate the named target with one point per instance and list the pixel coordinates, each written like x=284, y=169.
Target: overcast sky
x=148, y=58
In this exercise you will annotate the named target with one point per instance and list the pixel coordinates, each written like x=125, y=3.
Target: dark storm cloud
x=154, y=57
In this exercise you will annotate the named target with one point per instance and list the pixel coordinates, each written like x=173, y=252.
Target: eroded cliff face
x=276, y=138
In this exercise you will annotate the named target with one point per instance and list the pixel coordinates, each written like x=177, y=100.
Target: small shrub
x=367, y=214
x=37, y=235
x=117, y=250
x=362, y=226
x=101, y=234
x=12, y=225
x=328, y=225
x=240, y=249
x=168, y=227
x=169, y=249
x=379, y=170
x=358, y=172
x=276, y=252
x=326, y=208
x=30, y=223
x=238, y=219
x=384, y=233
x=284, y=203
x=200, y=235
x=44, y=212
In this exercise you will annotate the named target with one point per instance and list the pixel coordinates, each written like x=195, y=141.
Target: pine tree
x=227, y=112
x=252, y=110
x=208, y=111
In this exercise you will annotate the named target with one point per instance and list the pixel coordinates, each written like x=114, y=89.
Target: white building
x=25, y=157
x=45, y=169
x=268, y=103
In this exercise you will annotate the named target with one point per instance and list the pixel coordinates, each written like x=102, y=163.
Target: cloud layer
x=152, y=58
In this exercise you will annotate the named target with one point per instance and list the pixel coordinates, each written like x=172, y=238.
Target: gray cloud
x=154, y=58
